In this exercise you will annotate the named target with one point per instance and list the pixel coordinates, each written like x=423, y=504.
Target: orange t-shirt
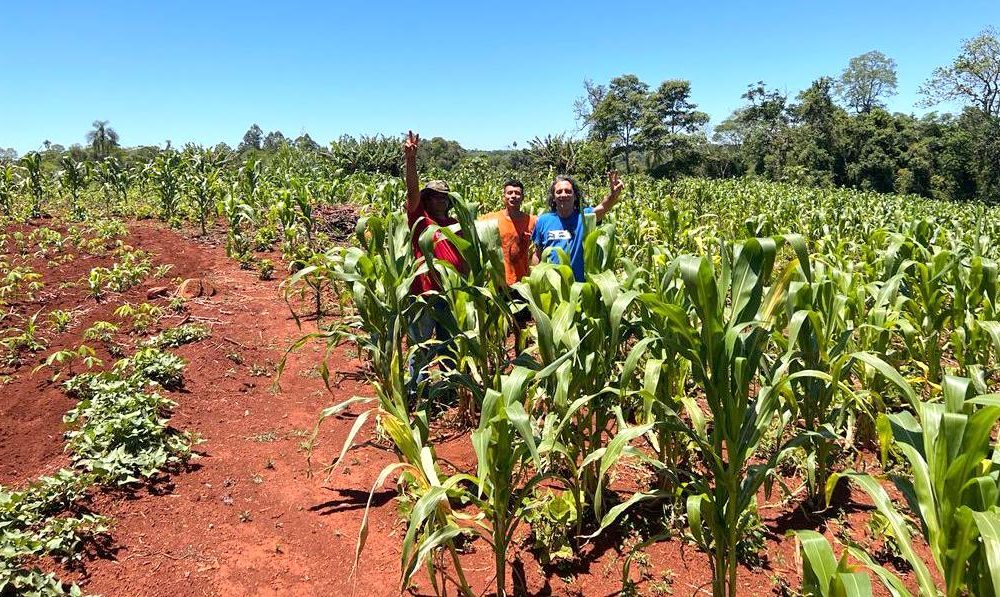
x=515, y=238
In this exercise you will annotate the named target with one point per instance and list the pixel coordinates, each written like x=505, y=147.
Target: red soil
x=246, y=519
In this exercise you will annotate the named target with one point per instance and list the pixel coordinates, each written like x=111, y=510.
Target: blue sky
x=484, y=75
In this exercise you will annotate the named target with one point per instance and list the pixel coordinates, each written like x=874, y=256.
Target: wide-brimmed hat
x=435, y=186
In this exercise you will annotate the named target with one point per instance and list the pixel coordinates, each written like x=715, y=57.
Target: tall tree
x=867, y=79
x=103, y=139
x=974, y=76
x=818, y=139
x=614, y=114
x=274, y=141
x=252, y=139
x=306, y=143
x=668, y=124
x=760, y=130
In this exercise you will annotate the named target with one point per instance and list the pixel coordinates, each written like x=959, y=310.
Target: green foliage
x=867, y=79
x=822, y=574
x=34, y=525
x=953, y=491
x=552, y=516
x=143, y=316
x=178, y=336
x=60, y=320
x=130, y=270
x=102, y=331
x=118, y=429
x=65, y=358
x=971, y=76
x=154, y=365
x=265, y=268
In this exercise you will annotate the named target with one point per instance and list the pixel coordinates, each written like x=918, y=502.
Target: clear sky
x=484, y=75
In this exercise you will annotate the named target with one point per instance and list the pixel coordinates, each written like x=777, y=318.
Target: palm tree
x=102, y=139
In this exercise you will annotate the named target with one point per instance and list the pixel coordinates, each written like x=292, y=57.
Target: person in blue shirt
x=562, y=226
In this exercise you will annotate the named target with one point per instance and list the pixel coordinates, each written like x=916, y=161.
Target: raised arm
x=410, y=146
x=614, y=195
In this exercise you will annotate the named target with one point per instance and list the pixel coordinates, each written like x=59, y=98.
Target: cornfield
x=724, y=330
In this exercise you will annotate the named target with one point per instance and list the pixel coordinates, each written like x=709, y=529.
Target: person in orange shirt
x=516, y=228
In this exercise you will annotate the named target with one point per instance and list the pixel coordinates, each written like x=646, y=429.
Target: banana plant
x=954, y=491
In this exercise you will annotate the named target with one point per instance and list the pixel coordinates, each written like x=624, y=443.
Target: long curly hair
x=577, y=192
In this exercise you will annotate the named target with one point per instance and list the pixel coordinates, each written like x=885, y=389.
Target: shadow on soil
x=352, y=499
x=806, y=515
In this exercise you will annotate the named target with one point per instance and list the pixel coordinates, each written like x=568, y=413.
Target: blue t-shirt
x=562, y=233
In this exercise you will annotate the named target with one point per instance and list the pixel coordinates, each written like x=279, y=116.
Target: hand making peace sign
x=617, y=184
x=410, y=145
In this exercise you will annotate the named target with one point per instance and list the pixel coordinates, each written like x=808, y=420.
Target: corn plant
x=26, y=338
x=167, y=170
x=954, y=491
x=60, y=320
x=821, y=323
x=203, y=185
x=725, y=345
x=75, y=177
x=975, y=337
x=593, y=315
x=116, y=179
x=35, y=182
x=481, y=317
x=926, y=314
x=509, y=467
x=8, y=188
x=823, y=575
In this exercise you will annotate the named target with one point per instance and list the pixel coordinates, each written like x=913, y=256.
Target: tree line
x=836, y=132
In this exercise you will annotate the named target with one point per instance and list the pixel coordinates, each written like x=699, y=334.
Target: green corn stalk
x=975, y=337
x=75, y=176
x=481, y=317
x=926, y=315
x=167, y=170
x=820, y=332
x=240, y=219
x=8, y=188
x=825, y=576
x=954, y=491
x=733, y=310
x=35, y=182
x=509, y=465
x=594, y=315
x=203, y=184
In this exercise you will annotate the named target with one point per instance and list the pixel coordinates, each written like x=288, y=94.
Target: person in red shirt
x=425, y=207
